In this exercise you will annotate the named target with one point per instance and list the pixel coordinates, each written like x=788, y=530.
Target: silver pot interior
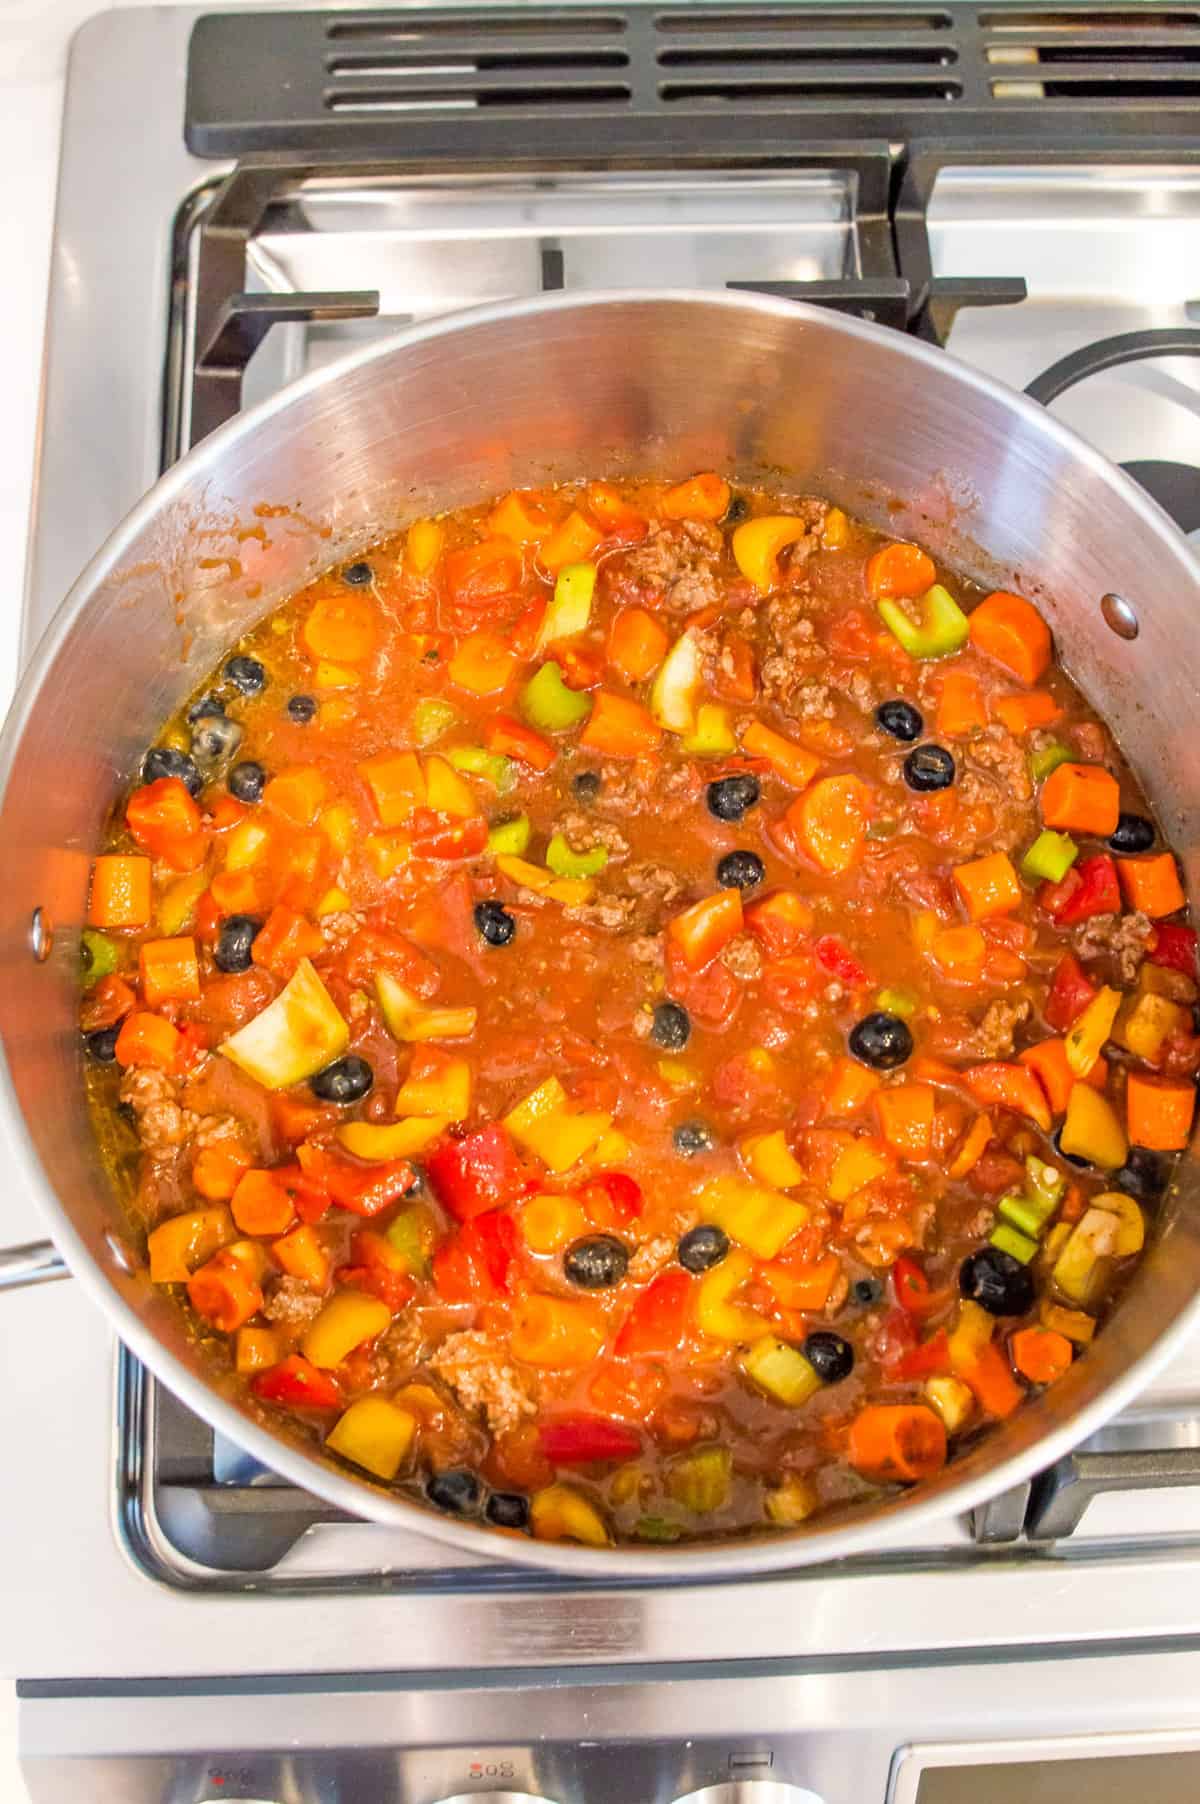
x=444, y=415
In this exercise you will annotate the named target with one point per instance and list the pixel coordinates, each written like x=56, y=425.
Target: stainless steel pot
x=603, y=384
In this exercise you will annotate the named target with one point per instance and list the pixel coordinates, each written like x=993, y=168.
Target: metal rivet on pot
x=1119, y=616
x=119, y=1253
x=41, y=935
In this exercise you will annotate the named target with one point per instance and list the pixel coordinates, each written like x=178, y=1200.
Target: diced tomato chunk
x=480, y=1172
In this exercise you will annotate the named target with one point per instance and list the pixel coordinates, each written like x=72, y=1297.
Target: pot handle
x=1110, y=354
x=36, y=1263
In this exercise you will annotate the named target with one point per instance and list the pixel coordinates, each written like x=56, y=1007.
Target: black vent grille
x=477, y=83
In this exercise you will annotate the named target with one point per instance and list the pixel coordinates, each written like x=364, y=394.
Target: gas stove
x=247, y=195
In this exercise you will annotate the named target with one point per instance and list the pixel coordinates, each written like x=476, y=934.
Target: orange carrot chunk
x=224, y=1292
x=147, y=1039
x=1009, y=1087
x=704, y=497
x=1158, y=1111
x=637, y=644
x=1041, y=1354
x=121, y=892
x=960, y=708
x=170, y=971
x=217, y=1169
x=342, y=628
x=897, y=1443
x=787, y=759
x=1022, y=713
x=1082, y=798
x=905, y=1116
x=988, y=886
x=972, y=1148
x=851, y=1087
x=900, y=569
x=1152, y=884
x=619, y=728
x=830, y=821
x=701, y=931
x=996, y=1390
x=261, y=1204
x=1009, y=629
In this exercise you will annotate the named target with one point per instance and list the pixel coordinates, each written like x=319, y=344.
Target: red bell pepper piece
x=165, y=821
x=515, y=740
x=614, y=1195
x=657, y=1323
x=1174, y=948
x=361, y=1189
x=481, y=1172
x=299, y=1384
x=578, y=1440
x=440, y=836
x=921, y=1361
x=913, y=1294
x=378, y=1269
x=838, y=960
x=1089, y=888
x=1070, y=992
x=474, y=1264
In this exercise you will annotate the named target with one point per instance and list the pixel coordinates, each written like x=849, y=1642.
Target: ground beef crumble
x=163, y=1126
x=292, y=1303
x=677, y=563
x=583, y=833
x=473, y=1366
x=1122, y=938
x=743, y=956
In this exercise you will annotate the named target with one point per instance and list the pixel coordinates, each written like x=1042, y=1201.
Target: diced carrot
x=225, y=812
x=573, y=542
x=514, y=739
x=217, y=1168
x=974, y=1145
x=261, y=1204
x=520, y=518
x=637, y=644
x=900, y=569
x=990, y=1377
x=1048, y=1059
x=1158, y=1111
x=925, y=1069
x=704, y=497
x=1041, y=1354
x=787, y=759
x=294, y=1119
x=800, y=1284
x=1022, y=713
x=905, y=1116
x=397, y=785
x=120, y=894
x=830, y=821
x=897, y=1442
x=960, y=708
x=147, y=1039
x=224, y=1292
x=343, y=628
x=851, y=1087
x=1009, y=1087
x=702, y=930
x=297, y=794
x=284, y=939
x=1009, y=629
x=478, y=575
x=779, y=922
x=736, y=675
x=165, y=821
x=170, y=971
x=607, y=505
x=1152, y=884
x=959, y=952
x=620, y=728
x=235, y=893
x=302, y=1256
x=1082, y=798
x=988, y=886
x=483, y=664
x=556, y=1331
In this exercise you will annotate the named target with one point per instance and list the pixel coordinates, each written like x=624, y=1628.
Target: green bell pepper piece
x=1009, y=1240
x=564, y=863
x=657, y=1528
x=897, y=1002
x=1048, y=758
x=1050, y=856
x=570, y=606
x=509, y=838
x=942, y=628
x=701, y=1481
x=431, y=718
x=406, y=1237
x=549, y=705
x=98, y=957
x=499, y=770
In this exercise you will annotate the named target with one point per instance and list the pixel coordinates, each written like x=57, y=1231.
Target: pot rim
x=687, y=1562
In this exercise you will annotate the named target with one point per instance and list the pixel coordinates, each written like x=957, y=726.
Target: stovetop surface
x=1103, y=248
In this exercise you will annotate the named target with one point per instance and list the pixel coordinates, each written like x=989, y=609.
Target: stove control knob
x=751, y=1791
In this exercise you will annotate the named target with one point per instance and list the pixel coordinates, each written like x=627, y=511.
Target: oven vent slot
x=1076, y=56
x=793, y=56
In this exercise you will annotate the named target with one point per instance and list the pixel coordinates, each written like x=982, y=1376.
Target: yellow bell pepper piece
x=563, y=1140
x=560, y=1514
x=253, y=1255
x=758, y=543
x=1087, y=1035
x=1131, y=1231
x=445, y=790
x=679, y=1074
x=446, y=1091
x=770, y=1159
x=572, y=892
x=953, y=1400
x=1092, y=1129
x=409, y=1019
x=246, y=845
x=329, y=675
x=392, y=1140
x=971, y=1333
x=339, y=825
x=613, y=1149
x=177, y=904
x=855, y=1166
x=336, y=711
x=763, y=1220
x=548, y=1099
x=550, y=1223
x=1145, y=1022
x=333, y=902
x=836, y=530
x=347, y=1320
x=1074, y=1323
x=176, y=1247
x=423, y=545
x=388, y=852
x=792, y=1502
x=715, y=1314
x=1084, y=1266
x=256, y=1349
x=375, y=1435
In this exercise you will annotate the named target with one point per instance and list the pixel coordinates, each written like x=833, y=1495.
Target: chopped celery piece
x=1050, y=856
x=1027, y=1214
x=570, y=606
x=897, y=1002
x=700, y=1481
x=1048, y=758
x=941, y=630
x=548, y=704
x=1008, y=1240
x=510, y=837
x=564, y=863
x=712, y=736
x=781, y=1370
x=673, y=697
x=98, y=957
x=1046, y=1183
x=431, y=718
x=498, y=769
x=657, y=1528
